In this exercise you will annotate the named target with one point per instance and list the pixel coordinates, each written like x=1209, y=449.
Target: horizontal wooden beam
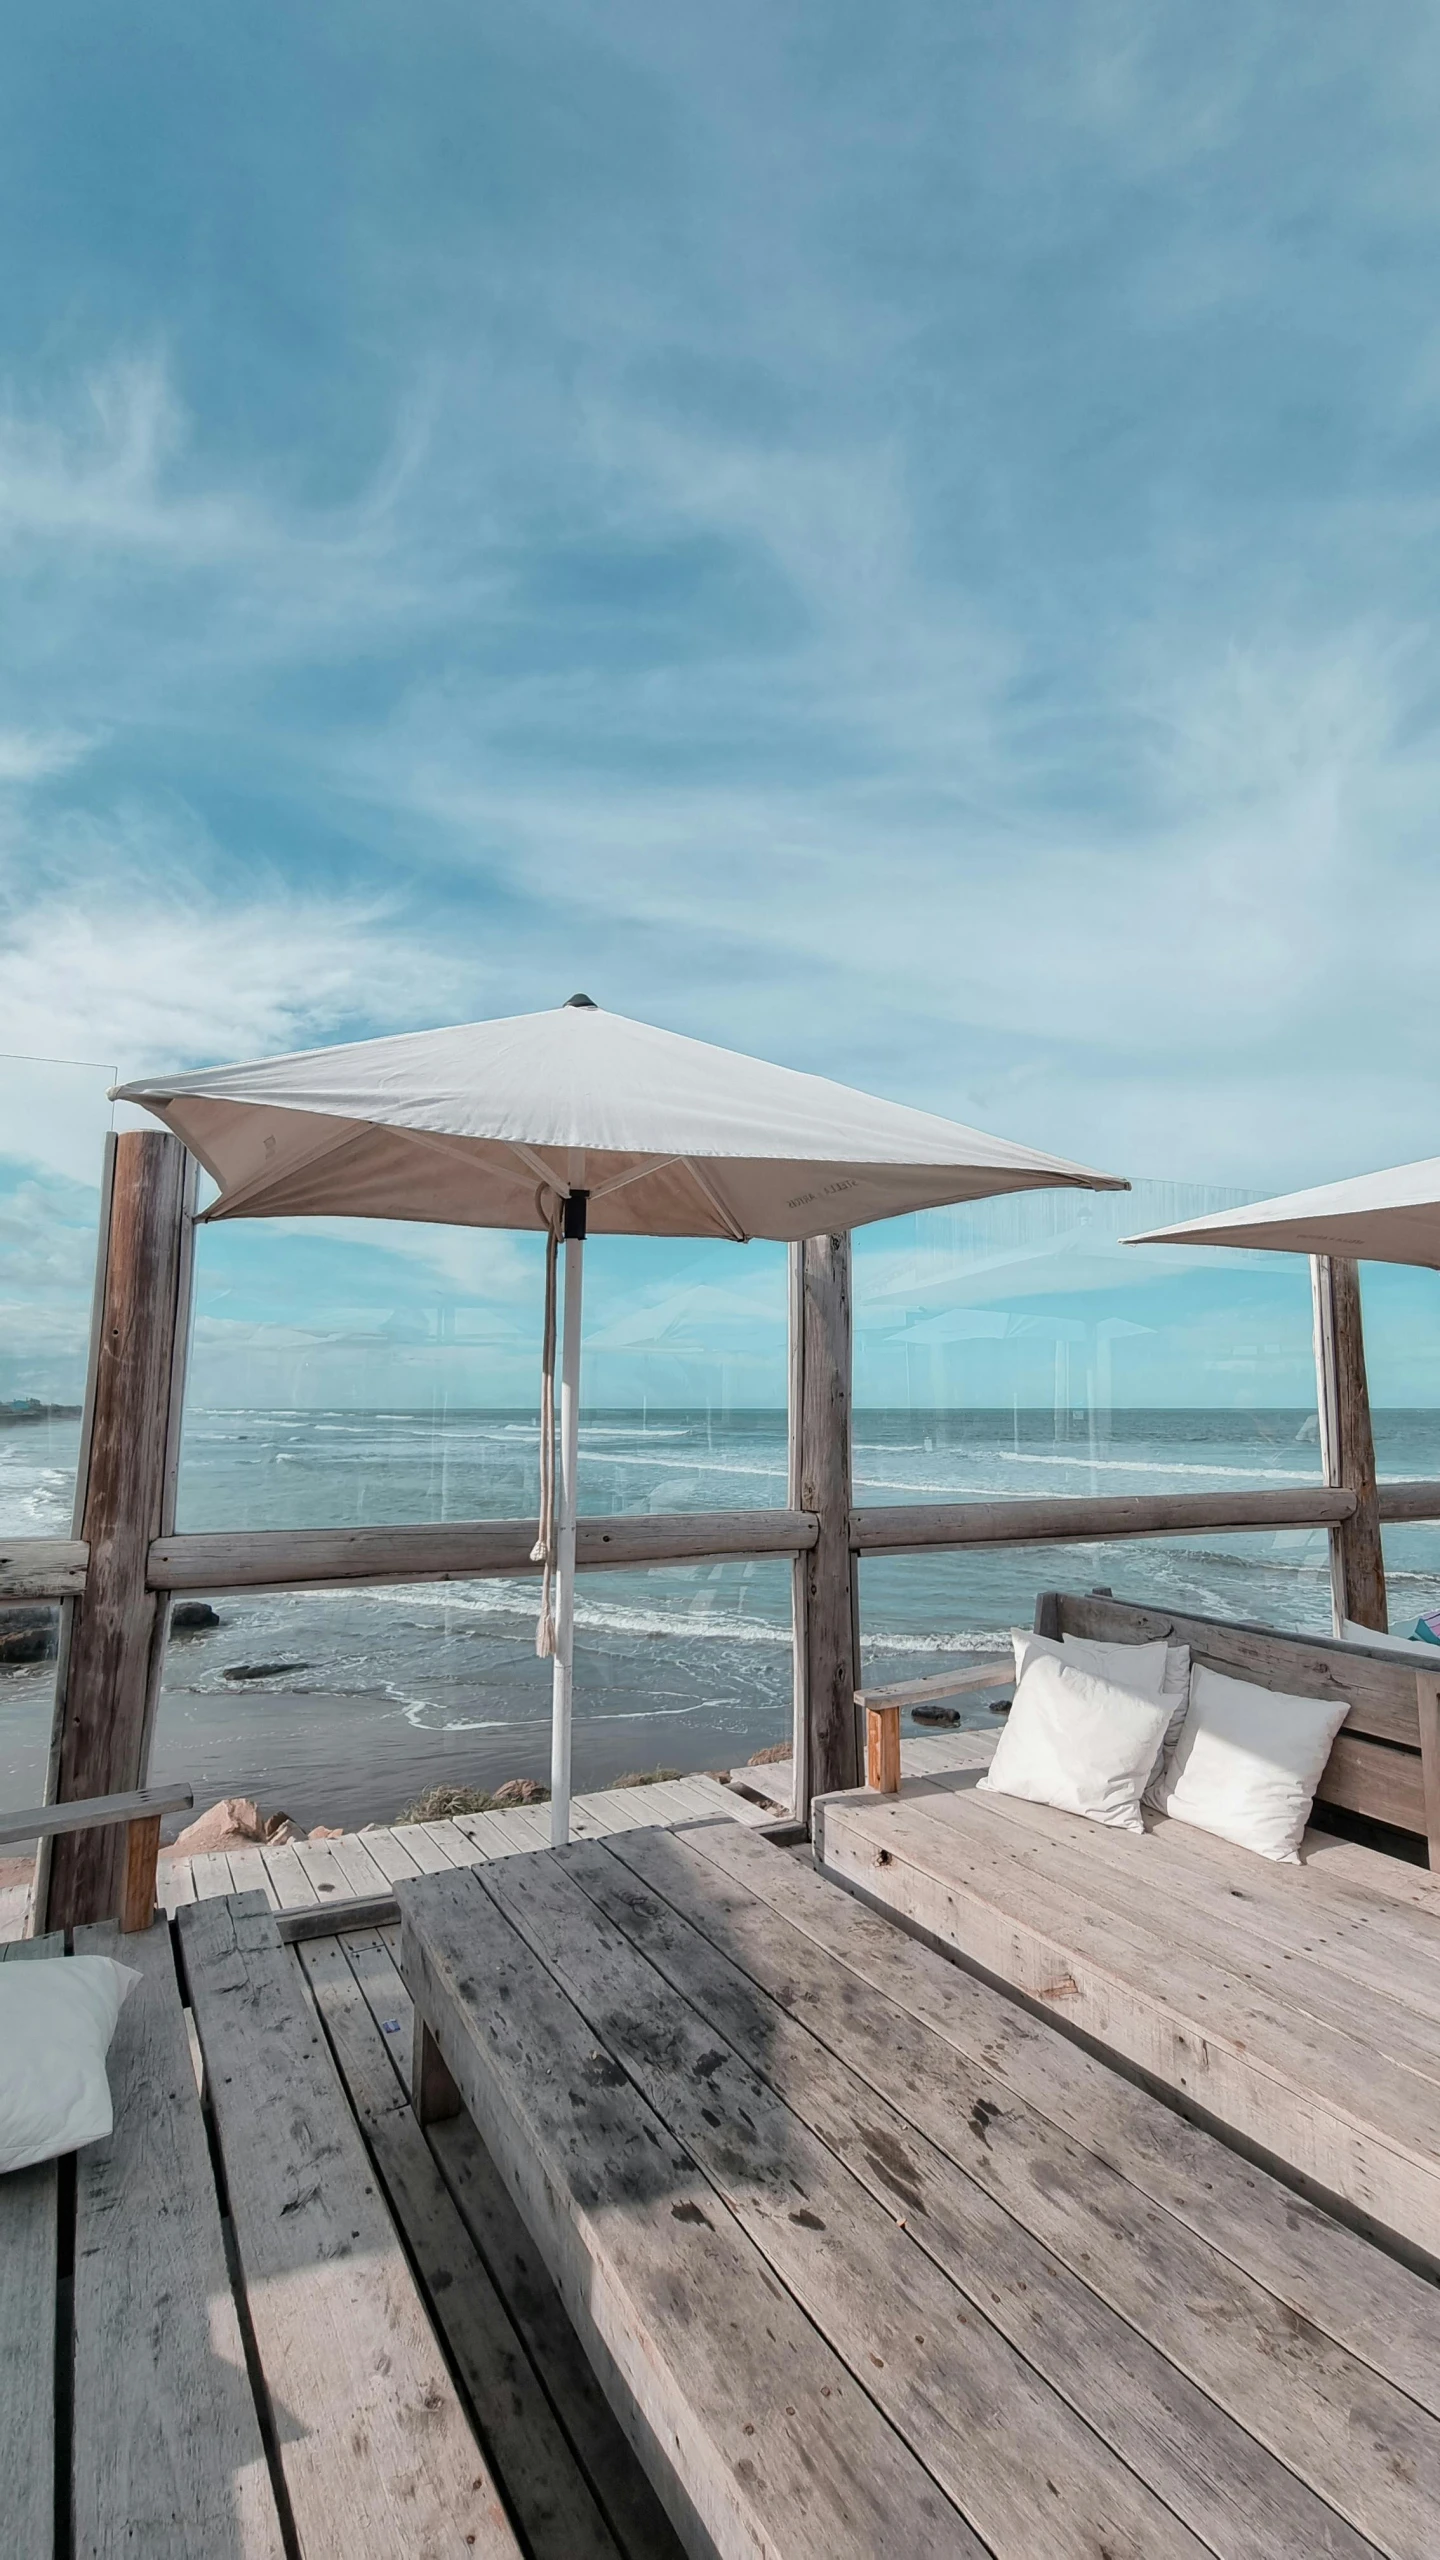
x=327, y=1919
x=95, y=1813
x=42, y=1568
x=1409, y=1501
x=455, y=1551
x=460, y=1550
x=901, y=1526
x=940, y=1684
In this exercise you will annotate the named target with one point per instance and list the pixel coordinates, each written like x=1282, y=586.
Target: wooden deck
x=368, y=1863
x=872, y=2261
x=1296, y=2007
x=316, y=2333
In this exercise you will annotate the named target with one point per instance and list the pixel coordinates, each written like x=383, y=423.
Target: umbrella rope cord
x=543, y=1551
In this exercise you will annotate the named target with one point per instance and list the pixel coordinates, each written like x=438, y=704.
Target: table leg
x=433, y=2093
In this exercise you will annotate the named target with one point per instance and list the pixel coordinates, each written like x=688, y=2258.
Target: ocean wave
x=1165, y=1467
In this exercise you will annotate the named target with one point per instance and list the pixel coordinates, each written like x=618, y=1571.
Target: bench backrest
x=1385, y=1763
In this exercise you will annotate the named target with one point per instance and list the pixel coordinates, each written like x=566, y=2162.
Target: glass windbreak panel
x=354, y=1372
x=1401, y=1310
x=344, y=1708
x=350, y=1372
x=1020, y=1347
x=924, y=1613
x=53, y=1120
x=27, y=1698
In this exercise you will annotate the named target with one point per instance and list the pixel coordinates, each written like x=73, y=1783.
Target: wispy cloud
x=905, y=545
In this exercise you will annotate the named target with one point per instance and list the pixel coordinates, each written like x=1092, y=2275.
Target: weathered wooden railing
x=216, y=1561
x=115, y=1575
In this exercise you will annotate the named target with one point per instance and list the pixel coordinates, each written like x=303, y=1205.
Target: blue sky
x=902, y=540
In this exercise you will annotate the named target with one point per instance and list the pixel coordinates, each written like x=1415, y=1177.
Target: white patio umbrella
x=1374, y=1217
x=571, y=1121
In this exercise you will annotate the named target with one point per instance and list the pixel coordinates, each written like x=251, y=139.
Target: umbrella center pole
x=563, y=1690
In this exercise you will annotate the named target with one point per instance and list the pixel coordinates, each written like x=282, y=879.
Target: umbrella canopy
x=668, y=1136
x=1375, y=1217
x=571, y=1121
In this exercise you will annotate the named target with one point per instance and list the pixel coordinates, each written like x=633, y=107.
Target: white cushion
x=1248, y=1762
x=1134, y=1666
x=1159, y=1670
x=1083, y=1744
x=57, y=2015
x=1414, y=1648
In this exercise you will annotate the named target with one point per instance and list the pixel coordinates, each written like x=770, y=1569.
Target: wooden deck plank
x=551, y=2500
x=715, y=1798
x=1326, y=2275
x=249, y=1874
x=1326, y=1854
x=1276, y=2076
x=457, y=1847
x=389, y=1854
x=377, y=2454
x=1046, y=2418
x=591, y=1817
x=174, y=1884
x=720, y=2381
x=210, y=1873
x=29, y=2263
x=504, y=1835
x=414, y=1838
x=637, y=2519
x=340, y=1868
x=527, y=1825
x=632, y=1806
x=1359, y=2444
x=168, y=2458
x=291, y=1888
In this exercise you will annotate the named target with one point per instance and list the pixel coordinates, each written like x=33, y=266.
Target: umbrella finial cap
x=587, y=1004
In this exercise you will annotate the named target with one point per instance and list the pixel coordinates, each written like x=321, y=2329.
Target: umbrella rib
x=554, y=1181
x=637, y=1173
x=708, y=1192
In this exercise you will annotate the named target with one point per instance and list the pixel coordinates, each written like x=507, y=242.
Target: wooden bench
x=870, y=2262
x=1296, y=2007
x=247, y=2367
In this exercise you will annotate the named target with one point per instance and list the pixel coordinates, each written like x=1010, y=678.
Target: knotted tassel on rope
x=543, y=1551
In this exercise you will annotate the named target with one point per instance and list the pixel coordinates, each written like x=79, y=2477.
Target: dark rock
x=937, y=1715
x=188, y=1617
x=28, y=1635
x=260, y=1670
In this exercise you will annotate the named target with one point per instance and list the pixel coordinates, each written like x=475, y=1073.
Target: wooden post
x=1427, y=1688
x=1347, y=1446
x=137, y=1889
x=828, y=1753
x=882, y=1750
x=108, y=1678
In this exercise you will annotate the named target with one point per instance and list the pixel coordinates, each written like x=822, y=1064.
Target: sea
x=344, y=1707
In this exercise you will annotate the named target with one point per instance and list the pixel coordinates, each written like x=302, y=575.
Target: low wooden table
x=871, y=2261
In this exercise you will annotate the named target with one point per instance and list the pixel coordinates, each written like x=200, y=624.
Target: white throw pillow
x=1133, y=1666
x=1248, y=1762
x=57, y=2016
x=1083, y=1744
